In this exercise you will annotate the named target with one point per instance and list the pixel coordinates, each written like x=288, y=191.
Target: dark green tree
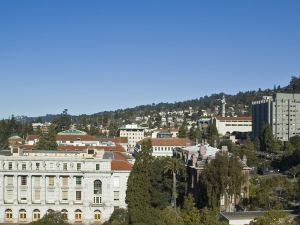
x=47, y=141
x=212, y=135
x=51, y=218
x=138, y=195
x=182, y=132
x=266, y=138
x=118, y=217
x=175, y=167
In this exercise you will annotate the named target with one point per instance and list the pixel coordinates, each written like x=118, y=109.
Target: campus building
x=85, y=186
x=133, y=133
x=281, y=111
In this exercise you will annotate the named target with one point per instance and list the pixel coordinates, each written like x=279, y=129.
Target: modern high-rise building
x=281, y=111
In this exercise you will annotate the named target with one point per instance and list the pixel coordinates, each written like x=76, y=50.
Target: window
x=78, y=195
x=116, y=195
x=78, y=215
x=10, y=165
x=65, y=166
x=65, y=181
x=64, y=195
x=64, y=213
x=97, y=187
x=36, y=215
x=51, y=166
x=23, y=166
x=22, y=215
x=37, y=181
x=37, y=166
x=97, y=215
x=23, y=180
x=97, y=166
x=97, y=200
x=9, y=195
x=8, y=215
x=78, y=181
x=37, y=195
x=9, y=180
x=78, y=166
x=51, y=181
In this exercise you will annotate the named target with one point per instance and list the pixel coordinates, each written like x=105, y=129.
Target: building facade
x=230, y=125
x=281, y=111
x=84, y=186
x=164, y=147
x=133, y=132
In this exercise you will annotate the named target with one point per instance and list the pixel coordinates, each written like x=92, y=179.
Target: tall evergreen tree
x=138, y=195
x=47, y=141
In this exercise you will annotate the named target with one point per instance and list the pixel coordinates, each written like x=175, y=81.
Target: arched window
x=78, y=215
x=64, y=213
x=97, y=187
x=22, y=215
x=50, y=211
x=36, y=215
x=97, y=216
x=8, y=215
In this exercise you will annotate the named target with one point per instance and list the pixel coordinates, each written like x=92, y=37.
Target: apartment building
x=281, y=111
x=85, y=186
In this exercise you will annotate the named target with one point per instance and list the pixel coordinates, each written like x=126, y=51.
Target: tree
x=138, y=191
x=266, y=138
x=273, y=218
x=62, y=122
x=169, y=216
x=222, y=176
x=182, y=132
x=51, y=218
x=47, y=141
x=161, y=184
x=212, y=135
x=118, y=217
x=176, y=167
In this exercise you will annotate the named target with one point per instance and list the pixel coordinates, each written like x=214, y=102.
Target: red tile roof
x=76, y=137
x=120, y=165
x=169, y=141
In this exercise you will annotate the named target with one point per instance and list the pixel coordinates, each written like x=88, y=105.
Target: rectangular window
x=78, y=181
x=78, y=195
x=37, y=166
x=116, y=195
x=23, y=180
x=51, y=181
x=64, y=195
x=37, y=181
x=10, y=165
x=51, y=166
x=97, y=200
x=37, y=195
x=65, y=166
x=97, y=166
x=65, y=181
x=9, y=195
x=9, y=180
x=23, y=166
x=78, y=166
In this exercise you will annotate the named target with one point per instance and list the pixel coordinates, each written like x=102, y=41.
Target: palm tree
x=176, y=167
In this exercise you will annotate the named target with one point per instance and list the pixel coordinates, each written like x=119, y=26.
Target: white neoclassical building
x=86, y=186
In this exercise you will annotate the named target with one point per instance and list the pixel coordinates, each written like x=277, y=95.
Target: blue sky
x=91, y=56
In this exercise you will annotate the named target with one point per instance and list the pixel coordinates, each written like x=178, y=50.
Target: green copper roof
x=72, y=131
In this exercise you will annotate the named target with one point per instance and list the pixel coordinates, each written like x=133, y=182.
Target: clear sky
x=91, y=56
